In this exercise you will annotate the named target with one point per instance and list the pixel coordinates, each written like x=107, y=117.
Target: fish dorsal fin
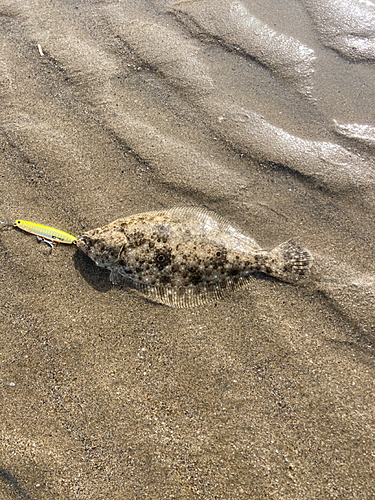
x=206, y=216
x=181, y=297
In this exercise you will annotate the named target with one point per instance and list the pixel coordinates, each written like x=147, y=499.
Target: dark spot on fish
x=162, y=258
x=196, y=279
x=137, y=238
x=220, y=257
x=162, y=238
x=165, y=279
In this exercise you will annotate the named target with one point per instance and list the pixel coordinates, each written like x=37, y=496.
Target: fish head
x=102, y=247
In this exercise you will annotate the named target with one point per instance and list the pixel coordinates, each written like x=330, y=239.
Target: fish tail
x=289, y=258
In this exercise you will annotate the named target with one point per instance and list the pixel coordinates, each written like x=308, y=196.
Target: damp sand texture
x=262, y=114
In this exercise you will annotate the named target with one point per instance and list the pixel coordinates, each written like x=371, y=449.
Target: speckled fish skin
x=186, y=256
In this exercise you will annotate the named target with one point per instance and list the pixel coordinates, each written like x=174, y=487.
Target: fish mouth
x=103, y=258
x=80, y=240
x=84, y=244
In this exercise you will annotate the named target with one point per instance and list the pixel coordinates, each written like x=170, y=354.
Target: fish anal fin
x=187, y=296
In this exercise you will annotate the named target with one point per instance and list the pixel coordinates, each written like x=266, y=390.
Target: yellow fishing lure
x=48, y=234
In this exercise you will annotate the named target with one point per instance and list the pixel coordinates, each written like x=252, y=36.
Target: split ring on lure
x=49, y=235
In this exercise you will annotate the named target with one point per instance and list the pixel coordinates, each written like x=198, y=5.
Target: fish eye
x=218, y=254
x=160, y=258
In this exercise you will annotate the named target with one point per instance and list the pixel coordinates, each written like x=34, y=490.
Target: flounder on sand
x=186, y=256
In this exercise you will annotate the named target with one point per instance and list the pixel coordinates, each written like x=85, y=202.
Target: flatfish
x=186, y=256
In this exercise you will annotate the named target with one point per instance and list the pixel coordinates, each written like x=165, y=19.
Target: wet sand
x=263, y=114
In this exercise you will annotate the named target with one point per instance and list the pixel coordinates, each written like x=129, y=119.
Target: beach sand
x=264, y=114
